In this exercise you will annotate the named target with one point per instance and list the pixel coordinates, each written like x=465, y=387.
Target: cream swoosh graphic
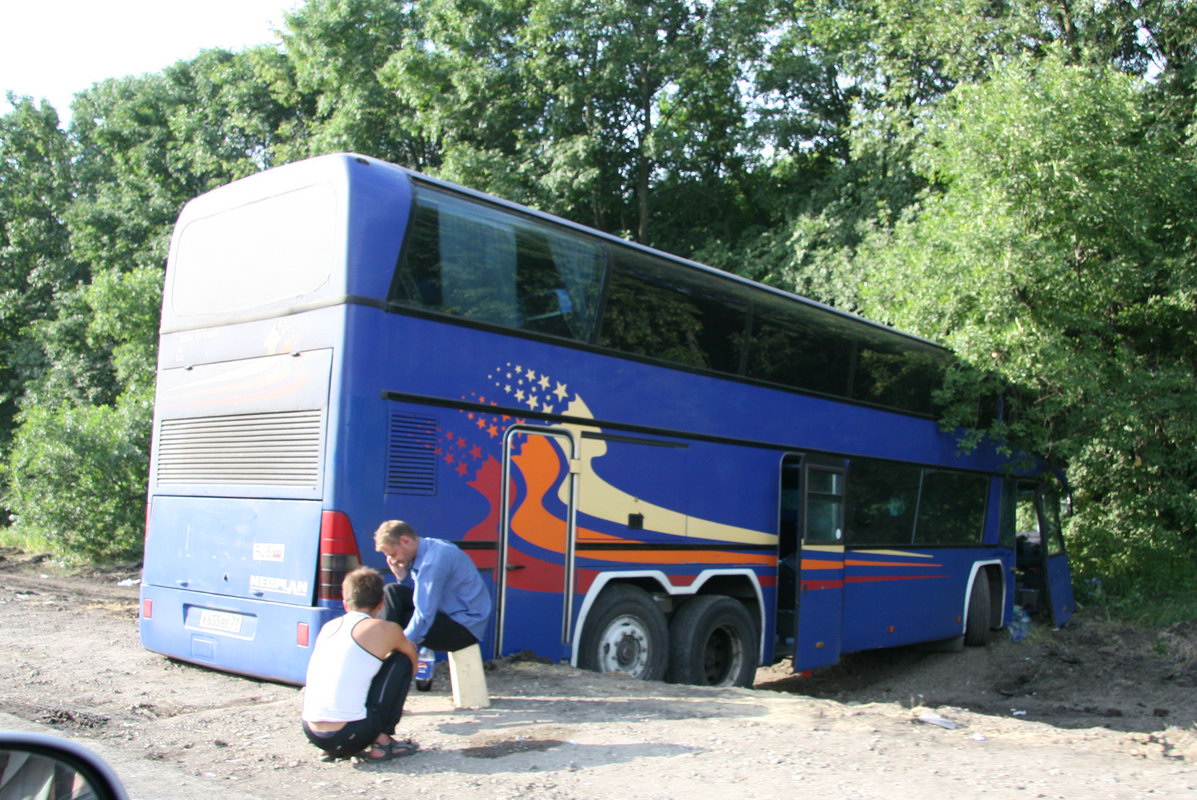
x=599, y=499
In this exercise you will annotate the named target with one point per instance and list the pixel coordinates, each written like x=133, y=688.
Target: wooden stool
x=468, y=678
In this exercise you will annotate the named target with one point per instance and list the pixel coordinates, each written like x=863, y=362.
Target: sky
x=51, y=49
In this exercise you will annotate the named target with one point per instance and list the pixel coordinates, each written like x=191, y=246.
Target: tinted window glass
x=796, y=346
x=882, y=502
x=480, y=263
x=951, y=508
x=897, y=374
x=825, y=503
x=1006, y=526
x=1052, y=533
x=663, y=311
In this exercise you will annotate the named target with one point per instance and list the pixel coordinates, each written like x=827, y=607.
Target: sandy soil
x=1093, y=711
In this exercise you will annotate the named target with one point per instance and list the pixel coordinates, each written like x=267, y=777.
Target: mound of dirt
x=1088, y=674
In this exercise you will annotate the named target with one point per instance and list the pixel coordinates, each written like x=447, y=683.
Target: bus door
x=1042, y=563
x=537, y=538
x=1055, y=560
x=813, y=499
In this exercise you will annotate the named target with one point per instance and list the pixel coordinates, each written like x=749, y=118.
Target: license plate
x=220, y=621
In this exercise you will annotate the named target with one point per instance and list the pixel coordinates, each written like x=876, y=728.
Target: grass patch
x=1154, y=612
x=25, y=542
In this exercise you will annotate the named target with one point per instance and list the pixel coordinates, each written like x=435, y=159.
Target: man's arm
x=401, y=644
x=381, y=638
x=426, y=598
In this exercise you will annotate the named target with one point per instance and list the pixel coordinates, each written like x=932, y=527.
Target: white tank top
x=339, y=673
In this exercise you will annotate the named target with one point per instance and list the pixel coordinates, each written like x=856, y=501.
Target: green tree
x=145, y=145
x=1054, y=252
x=841, y=98
x=848, y=83
x=35, y=257
x=337, y=49
x=77, y=471
x=628, y=116
x=138, y=148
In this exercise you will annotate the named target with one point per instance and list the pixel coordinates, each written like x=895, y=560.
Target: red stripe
x=878, y=578
x=816, y=585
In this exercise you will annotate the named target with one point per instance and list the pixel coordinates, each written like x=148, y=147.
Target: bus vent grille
x=411, y=455
x=280, y=448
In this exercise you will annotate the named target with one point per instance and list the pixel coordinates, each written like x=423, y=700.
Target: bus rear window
x=257, y=254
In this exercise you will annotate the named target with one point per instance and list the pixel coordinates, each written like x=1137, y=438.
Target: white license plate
x=220, y=621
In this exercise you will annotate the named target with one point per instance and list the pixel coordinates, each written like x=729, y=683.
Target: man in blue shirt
x=440, y=600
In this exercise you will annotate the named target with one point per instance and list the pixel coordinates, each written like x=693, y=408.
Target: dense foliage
x=1016, y=179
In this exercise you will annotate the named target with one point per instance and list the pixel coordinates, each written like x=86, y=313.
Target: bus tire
x=712, y=642
x=976, y=627
x=626, y=632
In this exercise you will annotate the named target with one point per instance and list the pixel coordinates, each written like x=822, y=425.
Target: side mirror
x=35, y=766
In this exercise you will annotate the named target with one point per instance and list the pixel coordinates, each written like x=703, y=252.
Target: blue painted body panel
x=667, y=457
x=239, y=547
x=265, y=646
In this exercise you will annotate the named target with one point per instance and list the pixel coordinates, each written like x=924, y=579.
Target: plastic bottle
x=1019, y=625
x=426, y=663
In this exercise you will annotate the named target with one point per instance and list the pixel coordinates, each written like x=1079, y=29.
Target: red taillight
x=147, y=608
x=339, y=554
x=302, y=632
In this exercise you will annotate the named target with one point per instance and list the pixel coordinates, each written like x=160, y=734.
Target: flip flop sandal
x=392, y=749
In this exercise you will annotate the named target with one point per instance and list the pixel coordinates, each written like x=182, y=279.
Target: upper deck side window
x=491, y=265
x=480, y=263
x=796, y=346
x=897, y=375
x=686, y=317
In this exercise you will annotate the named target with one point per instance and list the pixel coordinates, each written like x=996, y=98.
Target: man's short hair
x=388, y=533
x=362, y=589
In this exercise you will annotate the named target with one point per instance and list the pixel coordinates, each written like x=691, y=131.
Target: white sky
x=51, y=49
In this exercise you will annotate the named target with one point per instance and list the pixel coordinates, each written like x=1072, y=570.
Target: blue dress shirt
x=445, y=580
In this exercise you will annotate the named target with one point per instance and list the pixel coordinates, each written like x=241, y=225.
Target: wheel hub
x=721, y=656
x=624, y=647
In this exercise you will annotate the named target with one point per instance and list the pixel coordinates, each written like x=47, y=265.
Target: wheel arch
x=992, y=571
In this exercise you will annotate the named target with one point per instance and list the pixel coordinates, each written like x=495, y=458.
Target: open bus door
x=1059, y=575
x=812, y=517
x=1044, y=576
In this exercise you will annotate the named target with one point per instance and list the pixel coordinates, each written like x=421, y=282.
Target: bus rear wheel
x=626, y=632
x=976, y=625
x=712, y=642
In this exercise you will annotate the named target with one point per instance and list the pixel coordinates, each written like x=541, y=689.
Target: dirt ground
x=1094, y=711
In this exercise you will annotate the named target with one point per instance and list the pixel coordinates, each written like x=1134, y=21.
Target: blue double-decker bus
x=659, y=468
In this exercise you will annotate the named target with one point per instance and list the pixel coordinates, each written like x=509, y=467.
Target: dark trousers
x=444, y=634
x=384, y=707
